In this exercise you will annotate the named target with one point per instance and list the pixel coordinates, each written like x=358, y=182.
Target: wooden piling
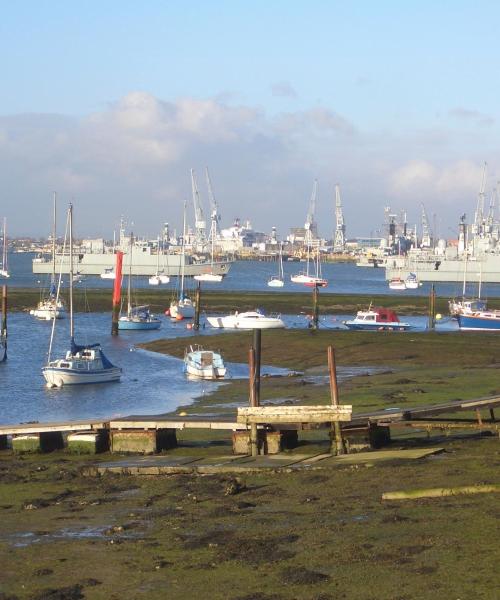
x=117, y=290
x=196, y=323
x=432, y=308
x=315, y=314
x=257, y=345
x=254, y=442
x=337, y=445
x=3, y=332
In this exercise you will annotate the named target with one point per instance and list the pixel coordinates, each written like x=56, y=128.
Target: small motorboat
x=275, y=281
x=246, y=320
x=377, y=319
x=108, y=274
x=48, y=309
x=204, y=364
x=210, y=277
x=397, y=283
x=412, y=282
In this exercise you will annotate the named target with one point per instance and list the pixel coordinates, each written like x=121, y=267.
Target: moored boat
x=377, y=319
x=246, y=320
x=82, y=363
x=139, y=318
x=466, y=306
x=397, y=283
x=412, y=282
x=205, y=364
x=480, y=320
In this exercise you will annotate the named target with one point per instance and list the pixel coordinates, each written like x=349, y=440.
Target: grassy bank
x=412, y=369
x=23, y=299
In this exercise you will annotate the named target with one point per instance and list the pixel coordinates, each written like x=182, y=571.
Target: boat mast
x=53, y=280
x=183, y=251
x=71, y=327
x=129, y=289
x=4, y=257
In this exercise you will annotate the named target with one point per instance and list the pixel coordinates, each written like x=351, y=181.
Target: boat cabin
x=379, y=315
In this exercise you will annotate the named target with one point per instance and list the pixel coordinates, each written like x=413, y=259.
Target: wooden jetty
x=128, y=434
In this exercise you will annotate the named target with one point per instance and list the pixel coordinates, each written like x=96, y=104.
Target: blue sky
x=396, y=101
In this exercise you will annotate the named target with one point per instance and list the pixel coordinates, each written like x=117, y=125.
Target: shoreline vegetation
x=100, y=300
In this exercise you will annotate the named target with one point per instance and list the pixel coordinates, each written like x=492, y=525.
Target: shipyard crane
x=339, y=240
x=477, y=227
x=214, y=214
x=426, y=236
x=309, y=225
x=200, y=223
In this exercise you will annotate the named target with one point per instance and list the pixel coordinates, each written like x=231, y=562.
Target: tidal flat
x=315, y=534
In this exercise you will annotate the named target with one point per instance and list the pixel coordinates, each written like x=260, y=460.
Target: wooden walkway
x=421, y=415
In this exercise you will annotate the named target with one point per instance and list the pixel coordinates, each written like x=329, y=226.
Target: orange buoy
x=178, y=317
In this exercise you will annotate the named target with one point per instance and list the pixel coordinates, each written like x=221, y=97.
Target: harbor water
x=151, y=383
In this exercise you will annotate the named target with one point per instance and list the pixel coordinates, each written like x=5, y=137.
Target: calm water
x=344, y=278
x=151, y=383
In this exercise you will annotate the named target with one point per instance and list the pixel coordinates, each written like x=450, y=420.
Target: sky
x=112, y=103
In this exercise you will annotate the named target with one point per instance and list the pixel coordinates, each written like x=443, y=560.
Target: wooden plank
x=294, y=414
x=173, y=424
x=26, y=428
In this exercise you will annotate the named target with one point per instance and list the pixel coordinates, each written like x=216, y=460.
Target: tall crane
x=200, y=223
x=310, y=225
x=426, y=236
x=214, y=214
x=339, y=240
x=477, y=227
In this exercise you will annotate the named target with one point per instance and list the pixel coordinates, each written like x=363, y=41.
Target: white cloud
x=134, y=157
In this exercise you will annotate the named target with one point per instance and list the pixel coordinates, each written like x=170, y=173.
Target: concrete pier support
x=143, y=442
x=268, y=442
x=379, y=436
x=3, y=442
x=88, y=442
x=38, y=442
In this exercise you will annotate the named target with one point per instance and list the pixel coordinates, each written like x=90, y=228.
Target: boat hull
x=57, y=376
x=131, y=325
x=206, y=372
x=233, y=322
x=479, y=322
x=378, y=326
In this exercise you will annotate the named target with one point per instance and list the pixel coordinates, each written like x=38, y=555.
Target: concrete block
x=3, y=442
x=143, y=442
x=38, y=442
x=270, y=442
x=88, y=442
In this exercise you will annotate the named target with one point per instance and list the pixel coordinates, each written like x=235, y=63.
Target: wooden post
x=257, y=344
x=478, y=417
x=254, y=445
x=492, y=415
x=3, y=332
x=196, y=324
x=432, y=308
x=117, y=290
x=315, y=315
x=337, y=443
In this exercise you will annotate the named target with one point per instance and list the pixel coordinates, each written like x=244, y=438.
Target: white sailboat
x=137, y=317
x=159, y=278
x=4, y=267
x=278, y=281
x=51, y=307
x=305, y=277
x=82, y=363
x=183, y=307
x=209, y=276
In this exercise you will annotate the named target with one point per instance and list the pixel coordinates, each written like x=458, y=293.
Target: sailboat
x=279, y=279
x=137, y=317
x=183, y=307
x=51, y=307
x=305, y=278
x=4, y=267
x=159, y=277
x=82, y=363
